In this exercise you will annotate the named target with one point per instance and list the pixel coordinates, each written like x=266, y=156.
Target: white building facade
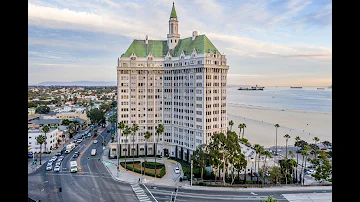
x=51, y=140
x=180, y=83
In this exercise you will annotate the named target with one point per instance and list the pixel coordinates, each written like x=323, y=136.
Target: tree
x=113, y=104
x=286, y=136
x=313, y=150
x=276, y=151
x=245, y=141
x=76, y=123
x=71, y=128
x=147, y=137
x=40, y=139
x=316, y=139
x=96, y=116
x=65, y=122
x=323, y=168
x=258, y=150
x=159, y=130
x=304, y=153
x=42, y=109
x=75, y=100
x=267, y=154
x=134, y=129
x=243, y=129
x=126, y=132
x=240, y=127
x=226, y=148
x=32, y=104
x=104, y=107
x=231, y=123
x=45, y=129
x=270, y=199
x=327, y=143
x=275, y=174
x=121, y=126
x=199, y=158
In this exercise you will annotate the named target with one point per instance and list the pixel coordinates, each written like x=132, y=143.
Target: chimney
x=194, y=35
x=146, y=39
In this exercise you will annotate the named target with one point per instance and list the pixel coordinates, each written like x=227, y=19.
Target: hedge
x=152, y=165
x=162, y=173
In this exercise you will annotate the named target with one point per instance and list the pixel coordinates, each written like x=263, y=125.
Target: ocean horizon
x=307, y=98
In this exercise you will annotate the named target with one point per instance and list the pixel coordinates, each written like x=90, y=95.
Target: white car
x=57, y=168
x=95, y=141
x=60, y=158
x=50, y=162
x=177, y=170
x=48, y=167
x=54, y=158
x=58, y=163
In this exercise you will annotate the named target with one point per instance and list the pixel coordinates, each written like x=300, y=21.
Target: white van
x=93, y=152
x=73, y=166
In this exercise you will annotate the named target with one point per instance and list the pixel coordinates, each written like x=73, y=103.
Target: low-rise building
x=51, y=140
x=37, y=123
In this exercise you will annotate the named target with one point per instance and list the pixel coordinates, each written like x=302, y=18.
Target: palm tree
x=304, y=153
x=159, y=130
x=243, y=127
x=134, y=129
x=240, y=127
x=257, y=151
x=71, y=128
x=147, y=137
x=276, y=152
x=296, y=144
x=231, y=123
x=76, y=123
x=292, y=163
x=45, y=129
x=40, y=139
x=316, y=139
x=121, y=126
x=287, y=136
x=267, y=154
x=126, y=132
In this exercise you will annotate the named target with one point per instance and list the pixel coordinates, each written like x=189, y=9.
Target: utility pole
x=191, y=172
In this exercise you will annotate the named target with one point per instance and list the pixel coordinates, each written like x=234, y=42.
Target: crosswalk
x=139, y=192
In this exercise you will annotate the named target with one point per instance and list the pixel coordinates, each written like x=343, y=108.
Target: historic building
x=180, y=83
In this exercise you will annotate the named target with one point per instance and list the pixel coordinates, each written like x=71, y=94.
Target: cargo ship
x=252, y=88
x=295, y=87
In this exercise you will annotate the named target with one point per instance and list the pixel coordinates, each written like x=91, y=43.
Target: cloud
x=109, y=2
x=247, y=47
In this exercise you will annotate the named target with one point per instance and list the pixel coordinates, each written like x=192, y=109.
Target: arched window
x=175, y=40
x=171, y=40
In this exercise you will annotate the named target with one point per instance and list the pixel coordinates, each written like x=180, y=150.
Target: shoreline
x=260, y=123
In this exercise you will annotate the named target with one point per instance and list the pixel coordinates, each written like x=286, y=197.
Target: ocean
x=281, y=97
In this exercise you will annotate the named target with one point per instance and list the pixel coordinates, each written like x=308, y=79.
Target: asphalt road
x=163, y=194
x=94, y=183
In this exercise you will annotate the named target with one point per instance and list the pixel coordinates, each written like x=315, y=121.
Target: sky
x=266, y=42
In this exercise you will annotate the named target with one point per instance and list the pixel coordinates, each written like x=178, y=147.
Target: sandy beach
x=260, y=123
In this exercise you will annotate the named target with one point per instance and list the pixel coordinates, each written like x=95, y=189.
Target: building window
x=171, y=40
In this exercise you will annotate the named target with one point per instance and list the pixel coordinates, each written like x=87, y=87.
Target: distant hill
x=76, y=83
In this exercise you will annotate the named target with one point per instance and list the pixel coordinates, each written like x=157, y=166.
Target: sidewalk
x=169, y=179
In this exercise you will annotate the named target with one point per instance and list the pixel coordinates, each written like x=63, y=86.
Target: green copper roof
x=201, y=43
x=159, y=48
x=173, y=12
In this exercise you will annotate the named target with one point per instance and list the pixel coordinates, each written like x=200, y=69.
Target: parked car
x=177, y=170
x=48, y=167
x=57, y=168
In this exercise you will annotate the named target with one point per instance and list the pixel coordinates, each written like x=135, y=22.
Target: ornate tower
x=173, y=36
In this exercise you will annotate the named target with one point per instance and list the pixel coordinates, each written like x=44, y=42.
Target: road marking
x=253, y=193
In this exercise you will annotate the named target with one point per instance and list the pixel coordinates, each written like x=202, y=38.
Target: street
x=93, y=183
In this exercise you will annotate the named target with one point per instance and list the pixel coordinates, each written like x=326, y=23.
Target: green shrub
x=249, y=182
x=152, y=165
x=129, y=167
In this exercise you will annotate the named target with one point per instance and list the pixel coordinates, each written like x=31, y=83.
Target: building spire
x=173, y=12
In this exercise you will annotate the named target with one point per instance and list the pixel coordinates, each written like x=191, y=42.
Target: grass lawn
x=148, y=170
